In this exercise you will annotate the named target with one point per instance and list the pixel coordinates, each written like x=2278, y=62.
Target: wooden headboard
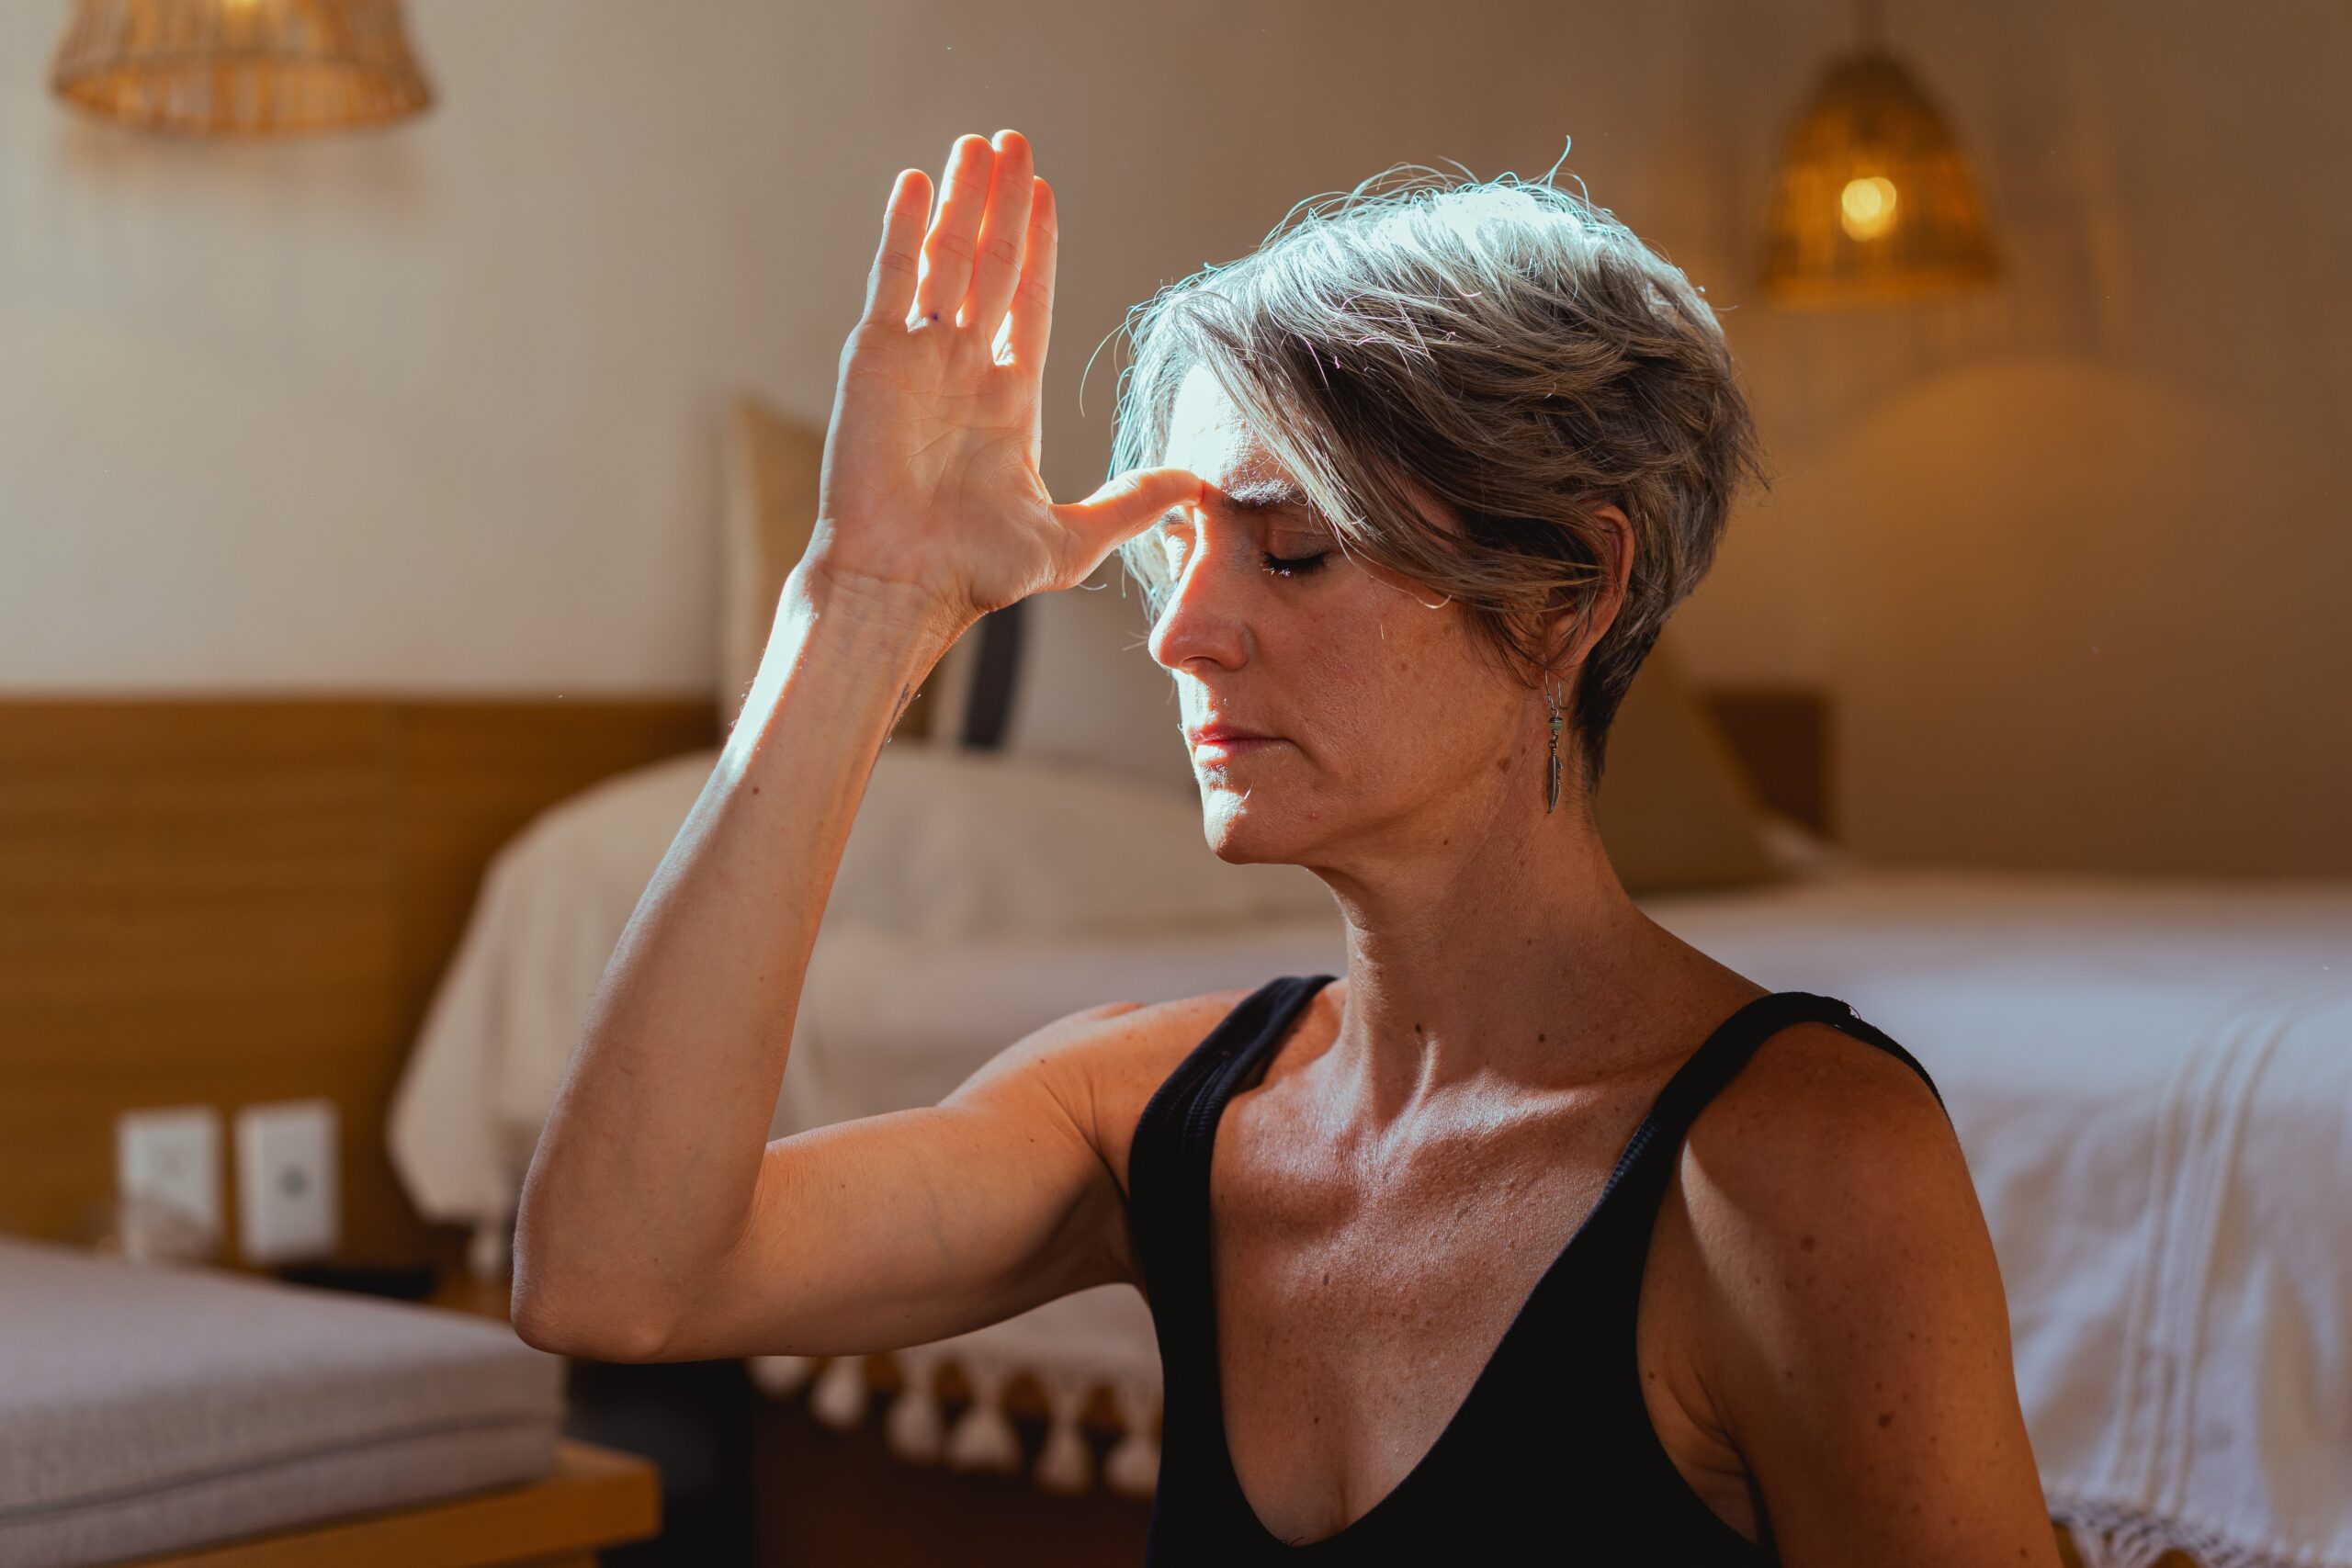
x=227, y=901
x=243, y=900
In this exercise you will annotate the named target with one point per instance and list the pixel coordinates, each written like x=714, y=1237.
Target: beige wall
x=2074, y=557
x=437, y=411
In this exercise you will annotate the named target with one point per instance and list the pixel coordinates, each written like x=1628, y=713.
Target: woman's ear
x=1572, y=638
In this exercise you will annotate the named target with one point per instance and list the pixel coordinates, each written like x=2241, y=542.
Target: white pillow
x=953, y=842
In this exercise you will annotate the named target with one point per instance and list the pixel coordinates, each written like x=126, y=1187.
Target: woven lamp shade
x=1875, y=201
x=240, y=68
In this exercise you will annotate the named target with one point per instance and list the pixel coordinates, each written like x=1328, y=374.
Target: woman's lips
x=1218, y=748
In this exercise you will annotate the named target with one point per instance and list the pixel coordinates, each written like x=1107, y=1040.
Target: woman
x=1537, y=1225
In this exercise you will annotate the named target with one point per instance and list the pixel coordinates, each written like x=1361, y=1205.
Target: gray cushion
x=145, y=1408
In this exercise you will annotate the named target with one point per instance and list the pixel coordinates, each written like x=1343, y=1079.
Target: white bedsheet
x=2152, y=1080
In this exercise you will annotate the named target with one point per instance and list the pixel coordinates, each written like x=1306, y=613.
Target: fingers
x=996, y=265
x=985, y=262
x=1125, y=505
x=1032, y=320
x=891, y=287
x=947, y=250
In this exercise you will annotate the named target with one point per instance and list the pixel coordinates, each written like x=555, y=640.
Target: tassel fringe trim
x=2109, y=1535
x=983, y=1438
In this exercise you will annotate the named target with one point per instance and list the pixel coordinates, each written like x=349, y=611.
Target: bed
x=2151, y=1077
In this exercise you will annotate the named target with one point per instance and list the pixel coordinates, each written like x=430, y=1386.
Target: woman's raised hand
x=930, y=482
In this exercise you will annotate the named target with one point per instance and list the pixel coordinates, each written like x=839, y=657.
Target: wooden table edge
x=595, y=1497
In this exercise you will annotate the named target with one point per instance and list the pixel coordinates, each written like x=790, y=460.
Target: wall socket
x=289, y=1202
x=167, y=1177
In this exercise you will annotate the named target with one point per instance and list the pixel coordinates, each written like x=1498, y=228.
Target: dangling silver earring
x=1552, y=767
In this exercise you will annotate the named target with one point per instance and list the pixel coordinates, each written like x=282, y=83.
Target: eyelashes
x=1272, y=565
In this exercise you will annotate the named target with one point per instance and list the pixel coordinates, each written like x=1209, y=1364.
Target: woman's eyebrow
x=1266, y=495
x=1254, y=497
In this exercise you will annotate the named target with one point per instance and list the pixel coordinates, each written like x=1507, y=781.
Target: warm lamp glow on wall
x=1875, y=201
x=241, y=68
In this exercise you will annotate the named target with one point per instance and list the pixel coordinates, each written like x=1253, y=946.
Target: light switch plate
x=168, y=1159
x=288, y=1199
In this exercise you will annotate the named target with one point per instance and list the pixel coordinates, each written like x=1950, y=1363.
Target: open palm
x=930, y=473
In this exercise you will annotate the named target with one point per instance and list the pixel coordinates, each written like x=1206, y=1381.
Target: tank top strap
x=1720, y=1056
x=1637, y=1186
x=1168, y=1158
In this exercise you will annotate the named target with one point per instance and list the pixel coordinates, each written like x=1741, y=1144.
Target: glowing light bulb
x=1866, y=207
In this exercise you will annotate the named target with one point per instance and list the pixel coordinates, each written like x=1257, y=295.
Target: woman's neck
x=1523, y=966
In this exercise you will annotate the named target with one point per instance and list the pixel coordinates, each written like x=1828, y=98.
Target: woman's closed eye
x=1174, y=544
x=1294, y=566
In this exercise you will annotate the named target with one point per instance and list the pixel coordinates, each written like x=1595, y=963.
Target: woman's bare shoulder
x=1103, y=1064
x=1845, y=1317
x=1818, y=1122
x=1853, y=1099
x=1825, y=1188
x=1131, y=1045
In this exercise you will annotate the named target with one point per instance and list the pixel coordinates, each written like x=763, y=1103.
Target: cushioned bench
x=147, y=1409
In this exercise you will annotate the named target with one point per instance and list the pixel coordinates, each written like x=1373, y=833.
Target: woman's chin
x=1248, y=832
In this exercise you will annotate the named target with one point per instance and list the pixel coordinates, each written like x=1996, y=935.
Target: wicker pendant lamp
x=1875, y=201
x=240, y=68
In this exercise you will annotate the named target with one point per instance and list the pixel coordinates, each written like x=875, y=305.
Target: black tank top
x=1553, y=1442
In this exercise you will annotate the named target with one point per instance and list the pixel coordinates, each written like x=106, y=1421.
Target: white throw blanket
x=2152, y=1080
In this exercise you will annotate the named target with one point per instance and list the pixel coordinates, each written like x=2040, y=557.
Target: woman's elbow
x=566, y=1298
x=571, y=1324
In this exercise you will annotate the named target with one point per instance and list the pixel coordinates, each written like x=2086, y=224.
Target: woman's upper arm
x=898, y=1229
x=1857, y=1351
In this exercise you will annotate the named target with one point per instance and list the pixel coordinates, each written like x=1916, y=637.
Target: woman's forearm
x=643, y=1178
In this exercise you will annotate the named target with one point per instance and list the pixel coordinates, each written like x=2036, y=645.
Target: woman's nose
x=1200, y=618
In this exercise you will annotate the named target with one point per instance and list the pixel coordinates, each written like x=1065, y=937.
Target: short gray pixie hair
x=1504, y=347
